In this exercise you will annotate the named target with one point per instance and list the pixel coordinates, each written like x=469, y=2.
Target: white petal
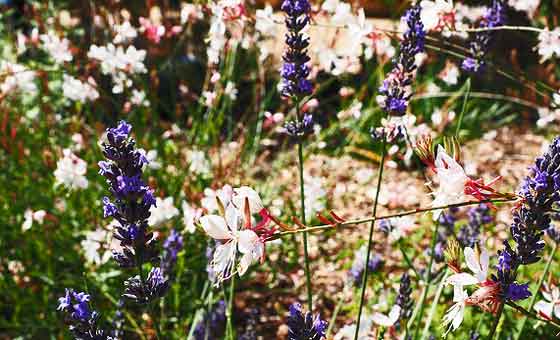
x=216, y=227
x=471, y=260
x=233, y=218
x=544, y=308
x=244, y=192
x=382, y=320
x=462, y=279
x=244, y=263
x=394, y=313
x=247, y=241
x=484, y=261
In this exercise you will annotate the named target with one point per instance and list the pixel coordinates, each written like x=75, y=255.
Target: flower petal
x=462, y=279
x=248, y=240
x=216, y=227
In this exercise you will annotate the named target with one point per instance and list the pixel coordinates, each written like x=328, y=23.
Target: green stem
x=433, y=308
x=427, y=280
x=408, y=262
x=229, y=311
x=539, y=285
x=302, y=199
x=467, y=92
x=370, y=240
x=335, y=314
x=496, y=321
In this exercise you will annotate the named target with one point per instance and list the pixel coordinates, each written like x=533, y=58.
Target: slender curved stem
x=538, y=288
x=384, y=217
x=464, y=108
x=370, y=241
x=427, y=279
x=302, y=199
x=479, y=95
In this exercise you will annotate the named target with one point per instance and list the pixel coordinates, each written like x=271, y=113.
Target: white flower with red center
x=452, y=181
x=228, y=230
x=454, y=184
x=487, y=296
x=551, y=304
x=238, y=233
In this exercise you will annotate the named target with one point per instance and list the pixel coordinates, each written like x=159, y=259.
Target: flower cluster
x=81, y=319
x=396, y=90
x=540, y=193
x=131, y=209
x=305, y=327
x=480, y=43
x=295, y=71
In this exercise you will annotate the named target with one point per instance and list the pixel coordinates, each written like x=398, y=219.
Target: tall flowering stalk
x=130, y=206
x=480, y=43
x=394, y=95
x=540, y=193
x=396, y=90
x=295, y=85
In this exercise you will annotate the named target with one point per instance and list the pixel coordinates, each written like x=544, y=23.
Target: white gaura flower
x=387, y=320
x=433, y=13
x=450, y=74
x=199, y=164
x=452, y=180
x=551, y=303
x=163, y=210
x=124, y=32
x=190, y=216
x=56, y=47
x=228, y=230
x=264, y=22
x=455, y=314
x=29, y=216
x=549, y=44
x=70, y=171
x=478, y=265
x=76, y=90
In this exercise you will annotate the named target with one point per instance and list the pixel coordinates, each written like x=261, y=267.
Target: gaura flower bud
x=425, y=150
x=453, y=255
x=452, y=145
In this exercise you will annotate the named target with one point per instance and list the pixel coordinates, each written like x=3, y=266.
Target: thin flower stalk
x=370, y=240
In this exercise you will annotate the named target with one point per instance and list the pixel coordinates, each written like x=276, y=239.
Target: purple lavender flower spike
x=295, y=71
x=396, y=89
x=480, y=44
x=213, y=324
x=130, y=205
x=305, y=327
x=530, y=221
